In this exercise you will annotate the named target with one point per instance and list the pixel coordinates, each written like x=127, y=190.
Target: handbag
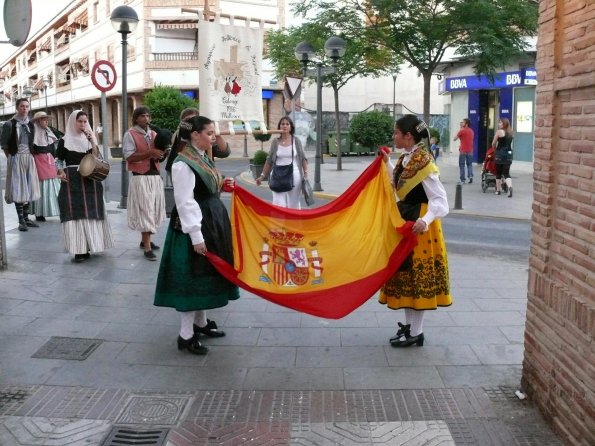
x=281, y=179
x=308, y=192
x=168, y=191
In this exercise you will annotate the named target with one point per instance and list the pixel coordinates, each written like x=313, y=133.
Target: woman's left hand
x=201, y=248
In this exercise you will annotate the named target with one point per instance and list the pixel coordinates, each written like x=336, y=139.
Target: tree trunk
x=427, y=81
x=337, y=127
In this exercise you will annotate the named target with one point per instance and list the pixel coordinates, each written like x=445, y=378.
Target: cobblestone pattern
x=46, y=415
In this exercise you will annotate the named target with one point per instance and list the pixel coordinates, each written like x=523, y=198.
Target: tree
x=360, y=59
x=491, y=32
x=166, y=103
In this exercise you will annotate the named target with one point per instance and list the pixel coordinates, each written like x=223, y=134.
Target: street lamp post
x=334, y=49
x=124, y=20
x=394, y=103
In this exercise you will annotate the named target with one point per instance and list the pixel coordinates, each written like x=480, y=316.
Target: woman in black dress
x=503, y=144
x=199, y=223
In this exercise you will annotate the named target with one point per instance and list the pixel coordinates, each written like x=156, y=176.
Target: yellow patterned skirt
x=423, y=283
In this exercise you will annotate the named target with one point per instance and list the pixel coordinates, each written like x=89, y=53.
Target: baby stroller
x=488, y=171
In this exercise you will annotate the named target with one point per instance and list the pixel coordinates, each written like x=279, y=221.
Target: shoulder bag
x=281, y=179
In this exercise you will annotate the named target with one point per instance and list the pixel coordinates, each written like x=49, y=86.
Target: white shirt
x=188, y=209
x=437, y=201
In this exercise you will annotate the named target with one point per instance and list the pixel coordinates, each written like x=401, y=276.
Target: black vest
x=13, y=145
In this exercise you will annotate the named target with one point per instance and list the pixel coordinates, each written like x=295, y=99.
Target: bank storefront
x=484, y=101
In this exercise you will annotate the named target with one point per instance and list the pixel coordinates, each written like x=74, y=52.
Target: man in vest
x=146, y=199
x=22, y=183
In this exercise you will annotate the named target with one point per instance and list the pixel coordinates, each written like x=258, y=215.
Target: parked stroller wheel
x=484, y=186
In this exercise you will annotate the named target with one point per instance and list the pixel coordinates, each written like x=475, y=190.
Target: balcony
x=174, y=57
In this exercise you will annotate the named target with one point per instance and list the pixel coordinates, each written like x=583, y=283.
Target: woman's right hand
x=259, y=180
x=62, y=175
x=201, y=248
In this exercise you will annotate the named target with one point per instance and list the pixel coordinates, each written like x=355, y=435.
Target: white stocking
x=509, y=182
x=186, y=329
x=416, y=319
x=200, y=318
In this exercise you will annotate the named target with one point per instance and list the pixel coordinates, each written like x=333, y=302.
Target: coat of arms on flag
x=290, y=260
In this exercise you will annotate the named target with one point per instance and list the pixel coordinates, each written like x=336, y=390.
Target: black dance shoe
x=31, y=224
x=153, y=246
x=78, y=258
x=209, y=330
x=409, y=341
x=39, y=218
x=193, y=345
x=403, y=331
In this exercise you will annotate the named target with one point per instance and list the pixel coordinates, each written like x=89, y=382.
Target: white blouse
x=189, y=211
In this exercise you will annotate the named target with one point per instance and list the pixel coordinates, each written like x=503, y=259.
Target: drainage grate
x=154, y=410
x=12, y=400
x=113, y=212
x=119, y=436
x=77, y=349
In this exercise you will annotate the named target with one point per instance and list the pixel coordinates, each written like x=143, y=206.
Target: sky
x=42, y=12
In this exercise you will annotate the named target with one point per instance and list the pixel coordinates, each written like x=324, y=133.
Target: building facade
x=559, y=362
x=53, y=66
x=509, y=94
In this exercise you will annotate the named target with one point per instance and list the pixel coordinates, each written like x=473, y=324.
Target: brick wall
x=559, y=363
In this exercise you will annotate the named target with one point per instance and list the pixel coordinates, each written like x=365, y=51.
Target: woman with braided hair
x=422, y=281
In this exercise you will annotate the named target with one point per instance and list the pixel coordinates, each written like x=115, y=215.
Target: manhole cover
x=113, y=212
x=119, y=436
x=77, y=349
x=153, y=410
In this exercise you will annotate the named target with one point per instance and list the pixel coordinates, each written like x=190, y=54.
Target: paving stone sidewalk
x=278, y=377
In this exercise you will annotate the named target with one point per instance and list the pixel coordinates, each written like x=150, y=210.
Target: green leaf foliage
x=489, y=32
x=371, y=129
x=259, y=158
x=166, y=103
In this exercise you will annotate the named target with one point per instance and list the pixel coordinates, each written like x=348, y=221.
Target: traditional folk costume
x=44, y=148
x=22, y=183
x=146, y=199
x=187, y=281
x=422, y=282
x=82, y=210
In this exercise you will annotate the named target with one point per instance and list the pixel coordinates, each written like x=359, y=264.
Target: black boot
x=22, y=223
x=28, y=222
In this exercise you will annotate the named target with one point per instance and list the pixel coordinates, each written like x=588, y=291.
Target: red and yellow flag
x=325, y=261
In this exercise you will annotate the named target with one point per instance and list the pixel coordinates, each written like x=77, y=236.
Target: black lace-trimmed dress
x=187, y=281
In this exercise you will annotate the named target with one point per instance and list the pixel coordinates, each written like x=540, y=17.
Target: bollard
x=459, y=197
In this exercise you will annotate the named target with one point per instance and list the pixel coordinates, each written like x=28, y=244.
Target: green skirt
x=187, y=281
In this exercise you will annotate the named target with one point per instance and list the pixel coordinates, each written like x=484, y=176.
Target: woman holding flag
x=199, y=223
x=422, y=281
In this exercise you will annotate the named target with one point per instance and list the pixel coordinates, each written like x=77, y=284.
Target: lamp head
x=304, y=52
x=334, y=48
x=27, y=91
x=124, y=19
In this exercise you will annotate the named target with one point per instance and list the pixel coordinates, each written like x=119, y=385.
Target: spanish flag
x=325, y=261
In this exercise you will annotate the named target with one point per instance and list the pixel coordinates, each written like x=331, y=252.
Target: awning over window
x=82, y=19
x=171, y=24
x=45, y=45
x=39, y=84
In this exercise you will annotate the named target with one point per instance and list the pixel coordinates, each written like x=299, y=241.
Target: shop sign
x=526, y=76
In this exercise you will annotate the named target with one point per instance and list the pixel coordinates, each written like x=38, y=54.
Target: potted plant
x=257, y=163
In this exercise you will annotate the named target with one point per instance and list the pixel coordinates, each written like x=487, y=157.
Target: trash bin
x=345, y=143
